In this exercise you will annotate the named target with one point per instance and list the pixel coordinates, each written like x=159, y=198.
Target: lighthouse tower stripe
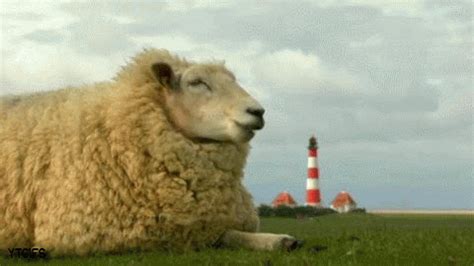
x=312, y=162
x=313, y=197
x=313, y=172
x=312, y=183
x=313, y=169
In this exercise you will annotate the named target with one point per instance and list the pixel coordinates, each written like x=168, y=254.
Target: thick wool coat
x=101, y=168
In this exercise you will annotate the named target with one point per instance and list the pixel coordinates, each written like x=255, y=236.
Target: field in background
x=351, y=239
x=411, y=212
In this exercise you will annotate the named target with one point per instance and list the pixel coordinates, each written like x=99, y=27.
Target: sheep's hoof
x=290, y=244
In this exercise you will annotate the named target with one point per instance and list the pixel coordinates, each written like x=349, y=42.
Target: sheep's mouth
x=249, y=129
x=257, y=125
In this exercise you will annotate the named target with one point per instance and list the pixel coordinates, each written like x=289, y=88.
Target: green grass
x=355, y=239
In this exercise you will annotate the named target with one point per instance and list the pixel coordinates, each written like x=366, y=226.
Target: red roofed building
x=343, y=202
x=284, y=198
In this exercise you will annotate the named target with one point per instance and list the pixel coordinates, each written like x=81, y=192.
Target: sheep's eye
x=195, y=82
x=199, y=82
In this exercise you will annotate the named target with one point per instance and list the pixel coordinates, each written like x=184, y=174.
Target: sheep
x=151, y=160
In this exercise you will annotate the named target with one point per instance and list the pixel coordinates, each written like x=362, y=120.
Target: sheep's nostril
x=261, y=124
x=256, y=111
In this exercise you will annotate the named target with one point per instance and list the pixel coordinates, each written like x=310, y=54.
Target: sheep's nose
x=256, y=111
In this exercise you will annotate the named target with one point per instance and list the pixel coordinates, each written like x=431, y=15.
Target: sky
x=386, y=86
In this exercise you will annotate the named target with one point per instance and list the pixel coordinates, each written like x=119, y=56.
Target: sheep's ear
x=164, y=74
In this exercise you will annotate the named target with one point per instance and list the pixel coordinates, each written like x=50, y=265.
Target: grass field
x=355, y=239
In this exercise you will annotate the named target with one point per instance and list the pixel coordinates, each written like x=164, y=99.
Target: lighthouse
x=313, y=195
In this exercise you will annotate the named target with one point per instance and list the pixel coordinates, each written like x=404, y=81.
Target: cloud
x=99, y=35
x=293, y=70
x=397, y=7
x=43, y=67
x=44, y=36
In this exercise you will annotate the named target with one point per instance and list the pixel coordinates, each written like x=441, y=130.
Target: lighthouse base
x=316, y=205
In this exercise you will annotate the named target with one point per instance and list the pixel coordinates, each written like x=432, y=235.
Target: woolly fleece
x=102, y=169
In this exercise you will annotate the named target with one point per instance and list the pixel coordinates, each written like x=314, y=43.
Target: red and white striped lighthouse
x=313, y=195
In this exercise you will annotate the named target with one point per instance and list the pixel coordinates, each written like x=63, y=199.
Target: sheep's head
x=205, y=102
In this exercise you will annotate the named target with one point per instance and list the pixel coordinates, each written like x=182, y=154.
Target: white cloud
x=372, y=41
x=397, y=7
x=187, y=5
x=455, y=111
x=21, y=18
x=394, y=7
x=293, y=70
x=288, y=68
x=178, y=43
x=36, y=66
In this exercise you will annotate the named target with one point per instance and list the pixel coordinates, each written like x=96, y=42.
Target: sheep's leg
x=259, y=241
